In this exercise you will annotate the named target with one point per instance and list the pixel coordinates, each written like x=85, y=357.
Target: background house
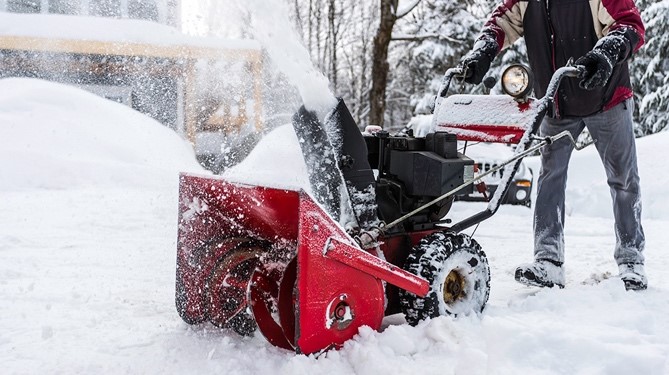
x=133, y=52
x=166, y=12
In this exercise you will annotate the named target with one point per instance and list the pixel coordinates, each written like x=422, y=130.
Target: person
x=601, y=35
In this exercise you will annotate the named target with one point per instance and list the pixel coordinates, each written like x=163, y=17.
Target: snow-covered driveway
x=87, y=286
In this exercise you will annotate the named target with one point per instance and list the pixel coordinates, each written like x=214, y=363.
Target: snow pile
x=276, y=161
x=54, y=136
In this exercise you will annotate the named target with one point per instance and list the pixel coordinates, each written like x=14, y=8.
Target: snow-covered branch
x=407, y=9
x=416, y=38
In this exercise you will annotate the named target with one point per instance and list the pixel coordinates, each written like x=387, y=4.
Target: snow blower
x=372, y=239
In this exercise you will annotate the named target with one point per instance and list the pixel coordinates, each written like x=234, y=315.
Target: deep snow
x=88, y=207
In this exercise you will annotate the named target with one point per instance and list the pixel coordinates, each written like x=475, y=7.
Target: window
x=105, y=8
x=143, y=9
x=24, y=6
x=64, y=6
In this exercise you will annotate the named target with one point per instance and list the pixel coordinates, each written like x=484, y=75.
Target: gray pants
x=613, y=134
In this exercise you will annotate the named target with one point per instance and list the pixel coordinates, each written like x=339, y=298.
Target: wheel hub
x=454, y=287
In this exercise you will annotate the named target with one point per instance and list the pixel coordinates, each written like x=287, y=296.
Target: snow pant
x=613, y=134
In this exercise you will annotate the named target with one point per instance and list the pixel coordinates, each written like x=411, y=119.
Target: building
x=166, y=12
x=133, y=52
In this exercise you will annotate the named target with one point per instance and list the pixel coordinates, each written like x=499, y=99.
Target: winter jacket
x=557, y=30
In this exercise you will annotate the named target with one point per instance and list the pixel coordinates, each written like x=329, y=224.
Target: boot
x=633, y=275
x=542, y=273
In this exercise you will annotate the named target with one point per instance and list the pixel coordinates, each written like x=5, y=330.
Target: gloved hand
x=477, y=61
x=599, y=63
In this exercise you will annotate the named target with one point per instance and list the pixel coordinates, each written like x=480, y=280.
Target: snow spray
x=271, y=26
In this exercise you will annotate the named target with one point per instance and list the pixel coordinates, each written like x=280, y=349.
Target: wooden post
x=256, y=70
x=190, y=107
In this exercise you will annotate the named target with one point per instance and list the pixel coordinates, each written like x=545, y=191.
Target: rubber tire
x=434, y=258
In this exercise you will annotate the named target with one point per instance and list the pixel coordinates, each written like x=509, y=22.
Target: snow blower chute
x=308, y=270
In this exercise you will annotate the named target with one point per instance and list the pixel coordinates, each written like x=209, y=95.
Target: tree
x=649, y=69
x=338, y=37
x=430, y=41
x=388, y=16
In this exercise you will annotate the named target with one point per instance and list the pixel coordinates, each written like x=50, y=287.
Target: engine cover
x=425, y=173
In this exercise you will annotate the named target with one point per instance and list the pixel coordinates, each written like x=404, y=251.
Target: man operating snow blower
x=602, y=35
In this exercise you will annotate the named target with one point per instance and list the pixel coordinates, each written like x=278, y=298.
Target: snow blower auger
x=308, y=270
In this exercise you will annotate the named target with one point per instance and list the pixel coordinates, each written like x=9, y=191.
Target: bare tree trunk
x=310, y=25
x=298, y=17
x=317, y=33
x=363, y=103
x=333, y=45
x=377, y=94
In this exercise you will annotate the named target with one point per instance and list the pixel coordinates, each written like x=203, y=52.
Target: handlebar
x=458, y=71
x=461, y=71
x=565, y=71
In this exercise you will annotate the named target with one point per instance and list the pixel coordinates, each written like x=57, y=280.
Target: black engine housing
x=413, y=171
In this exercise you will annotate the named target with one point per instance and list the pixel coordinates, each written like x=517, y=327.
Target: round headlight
x=517, y=81
x=521, y=194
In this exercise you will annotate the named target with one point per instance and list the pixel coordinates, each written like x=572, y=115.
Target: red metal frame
x=485, y=133
x=212, y=210
x=323, y=283
x=323, y=297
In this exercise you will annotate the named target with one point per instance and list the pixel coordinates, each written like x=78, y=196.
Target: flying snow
x=271, y=26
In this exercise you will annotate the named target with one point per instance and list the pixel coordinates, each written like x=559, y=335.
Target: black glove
x=477, y=61
x=599, y=63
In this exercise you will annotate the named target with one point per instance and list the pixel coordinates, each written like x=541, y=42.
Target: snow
x=271, y=26
x=55, y=136
x=276, y=161
x=88, y=198
x=484, y=110
x=67, y=27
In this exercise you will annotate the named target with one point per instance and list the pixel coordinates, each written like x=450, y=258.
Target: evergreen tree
x=649, y=69
x=437, y=35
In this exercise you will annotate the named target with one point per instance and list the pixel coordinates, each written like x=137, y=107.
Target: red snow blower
x=308, y=270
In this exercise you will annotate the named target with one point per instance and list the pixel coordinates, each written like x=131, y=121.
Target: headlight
x=521, y=194
x=517, y=81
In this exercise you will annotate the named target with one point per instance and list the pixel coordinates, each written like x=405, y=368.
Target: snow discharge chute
x=339, y=173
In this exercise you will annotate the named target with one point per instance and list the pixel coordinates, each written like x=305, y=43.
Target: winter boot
x=633, y=275
x=542, y=273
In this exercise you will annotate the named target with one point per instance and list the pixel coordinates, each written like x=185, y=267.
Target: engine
x=413, y=171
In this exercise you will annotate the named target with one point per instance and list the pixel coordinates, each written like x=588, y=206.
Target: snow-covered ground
x=88, y=210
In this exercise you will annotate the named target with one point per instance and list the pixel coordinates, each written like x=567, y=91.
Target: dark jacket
x=557, y=30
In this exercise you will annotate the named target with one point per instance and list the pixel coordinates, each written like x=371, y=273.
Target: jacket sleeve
x=621, y=17
x=505, y=24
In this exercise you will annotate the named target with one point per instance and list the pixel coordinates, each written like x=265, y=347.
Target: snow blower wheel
x=459, y=276
x=227, y=287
